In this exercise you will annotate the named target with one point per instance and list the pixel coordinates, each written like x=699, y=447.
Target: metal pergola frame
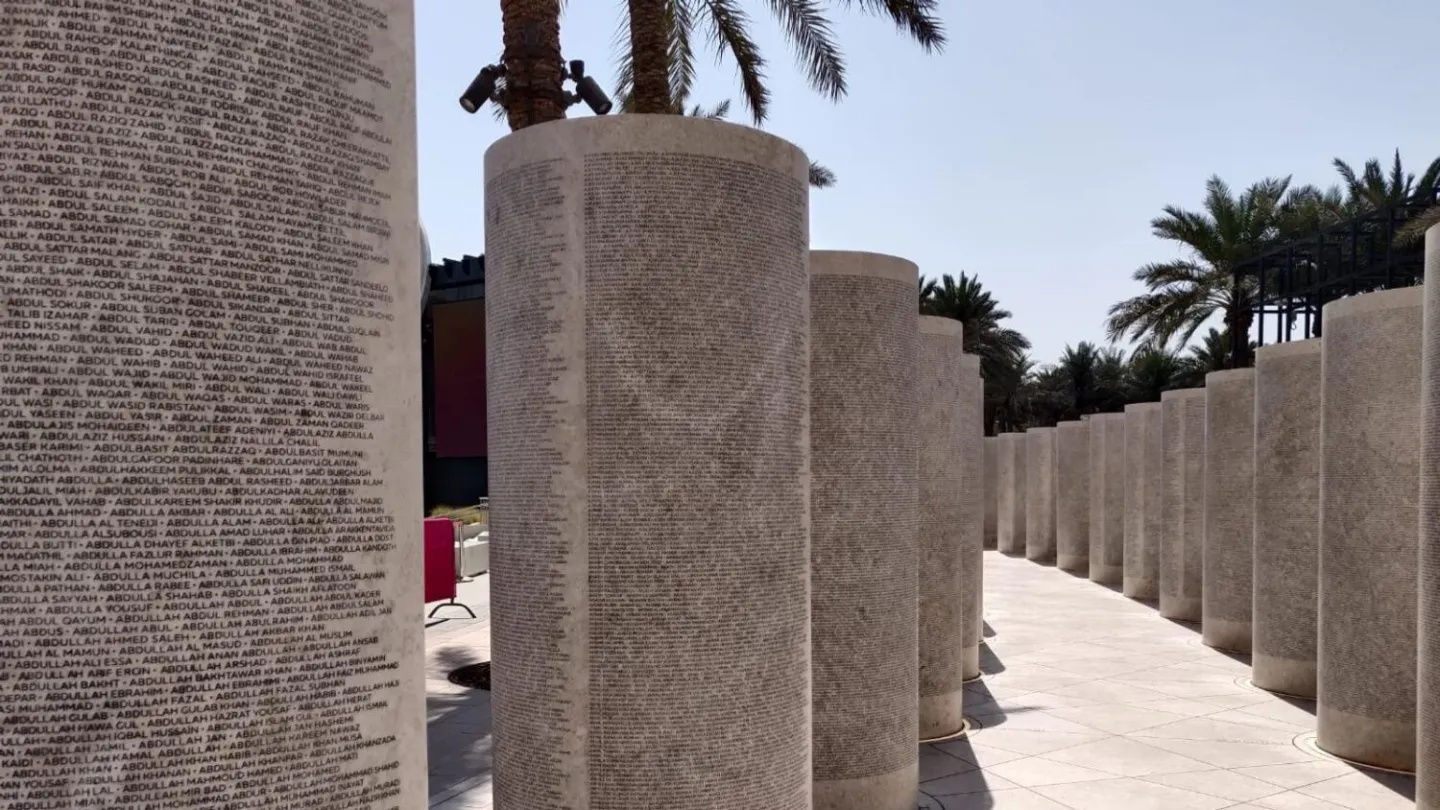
x=1294, y=281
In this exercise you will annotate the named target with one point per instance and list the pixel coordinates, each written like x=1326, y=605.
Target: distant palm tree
x=1373, y=189
x=1154, y=371
x=1009, y=388
x=1078, y=367
x=1182, y=294
x=980, y=316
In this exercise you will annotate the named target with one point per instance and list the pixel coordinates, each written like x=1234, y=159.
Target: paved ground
x=1090, y=701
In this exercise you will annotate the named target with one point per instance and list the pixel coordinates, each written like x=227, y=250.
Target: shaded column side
x=1072, y=527
x=1229, y=509
x=1040, y=494
x=1428, y=739
x=973, y=524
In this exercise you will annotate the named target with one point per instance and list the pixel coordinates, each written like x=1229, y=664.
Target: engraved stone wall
x=1287, y=516
x=943, y=388
x=992, y=490
x=1182, y=509
x=972, y=497
x=1072, y=501
x=647, y=351
x=1369, y=516
x=1144, y=454
x=1229, y=557
x=209, y=359
x=1040, y=494
x=1010, y=495
x=1428, y=756
x=1107, y=498
x=865, y=507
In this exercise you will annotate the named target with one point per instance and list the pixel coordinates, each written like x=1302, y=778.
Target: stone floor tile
x=1296, y=712
x=1224, y=784
x=978, y=752
x=1033, y=742
x=1117, y=718
x=1010, y=799
x=1130, y=794
x=1126, y=757
x=1035, y=771
x=1245, y=717
x=974, y=781
x=1366, y=790
x=1290, y=800
x=1297, y=774
x=1233, y=754
x=935, y=764
x=1208, y=728
x=1029, y=720
x=1110, y=691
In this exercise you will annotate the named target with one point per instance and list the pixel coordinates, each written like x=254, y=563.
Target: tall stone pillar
x=209, y=406
x=992, y=490
x=1072, y=502
x=972, y=496
x=1369, y=518
x=1143, y=456
x=1182, y=511
x=1107, y=498
x=944, y=600
x=865, y=510
x=1229, y=509
x=646, y=375
x=1287, y=516
x=1013, y=483
x=1428, y=758
x=1040, y=494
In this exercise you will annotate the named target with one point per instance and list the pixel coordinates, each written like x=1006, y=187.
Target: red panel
x=459, y=346
x=439, y=559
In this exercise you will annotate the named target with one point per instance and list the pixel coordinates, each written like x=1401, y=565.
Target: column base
x=1074, y=564
x=1107, y=574
x=942, y=715
x=1283, y=676
x=1040, y=554
x=1181, y=608
x=1370, y=741
x=887, y=791
x=970, y=662
x=1136, y=588
x=1226, y=636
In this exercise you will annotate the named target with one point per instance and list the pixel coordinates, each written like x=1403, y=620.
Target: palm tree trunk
x=534, y=80
x=650, y=55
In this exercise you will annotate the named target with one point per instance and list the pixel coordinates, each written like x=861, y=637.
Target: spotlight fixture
x=588, y=90
x=485, y=87
x=481, y=89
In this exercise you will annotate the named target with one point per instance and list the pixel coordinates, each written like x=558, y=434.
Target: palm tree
x=998, y=347
x=534, y=78
x=1182, y=294
x=1373, y=189
x=1154, y=371
x=1078, y=367
x=659, y=63
x=1008, y=387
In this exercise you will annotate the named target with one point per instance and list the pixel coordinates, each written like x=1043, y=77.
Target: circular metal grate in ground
x=968, y=730
x=474, y=676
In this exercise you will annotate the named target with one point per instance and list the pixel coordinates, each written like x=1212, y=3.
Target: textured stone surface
x=1287, y=516
x=1072, y=497
x=865, y=507
x=209, y=359
x=1107, y=498
x=1040, y=494
x=943, y=393
x=1369, y=516
x=1229, y=509
x=992, y=490
x=1010, y=493
x=1143, y=482
x=972, y=498
x=1182, y=507
x=1428, y=755
x=648, y=350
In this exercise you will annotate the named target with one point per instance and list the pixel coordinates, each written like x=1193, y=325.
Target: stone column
x=1229, y=509
x=1013, y=482
x=973, y=526
x=1287, y=516
x=1428, y=757
x=865, y=510
x=647, y=352
x=209, y=406
x=1040, y=494
x=1107, y=498
x=1144, y=453
x=1182, y=511
x=944, y=389
x=1072, y=502
x=1369, y=519
x=992, y=491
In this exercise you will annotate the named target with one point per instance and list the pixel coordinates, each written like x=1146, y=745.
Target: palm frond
x=727, y=26
x=918, y=18
x=820, y=176
x=810, y=36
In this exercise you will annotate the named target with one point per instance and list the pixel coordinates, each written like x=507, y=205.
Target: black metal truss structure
x=1290, y=284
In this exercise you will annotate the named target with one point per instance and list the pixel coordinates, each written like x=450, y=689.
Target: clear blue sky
x=1034, y=151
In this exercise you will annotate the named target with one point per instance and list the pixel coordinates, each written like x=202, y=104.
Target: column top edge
x=861, y=263
x=1290, y=349
x=1401, y=298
